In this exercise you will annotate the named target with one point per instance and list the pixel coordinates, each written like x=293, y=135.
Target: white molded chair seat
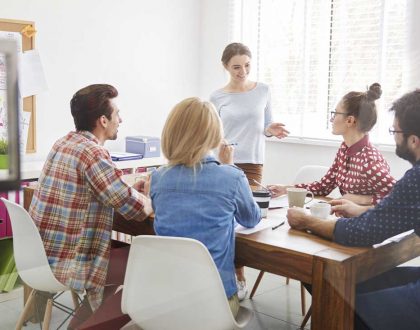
x=173, y=283
x=32, y=263
x=311, y=173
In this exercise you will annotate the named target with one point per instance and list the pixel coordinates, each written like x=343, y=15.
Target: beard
x=403, y=152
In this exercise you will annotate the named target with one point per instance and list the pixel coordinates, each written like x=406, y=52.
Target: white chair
x=306, y=174
x=32, y=265
x=311, y=173
x=173, y=283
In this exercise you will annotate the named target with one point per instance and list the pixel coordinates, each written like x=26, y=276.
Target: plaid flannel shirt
x=73, y=206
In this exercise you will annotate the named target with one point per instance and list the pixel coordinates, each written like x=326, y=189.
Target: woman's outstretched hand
x=278, y=130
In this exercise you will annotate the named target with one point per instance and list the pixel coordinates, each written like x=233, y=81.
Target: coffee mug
x=321, y=210
x=296, y=196
x=262, y=197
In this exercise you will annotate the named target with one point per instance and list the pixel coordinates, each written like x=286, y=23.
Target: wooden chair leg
x=75, y=298
x=47, y=315
x=302, y=298
x=256, y=284
x=306, y=318
x=23, y=315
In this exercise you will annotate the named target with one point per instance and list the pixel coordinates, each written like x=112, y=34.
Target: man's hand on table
x=299, y=220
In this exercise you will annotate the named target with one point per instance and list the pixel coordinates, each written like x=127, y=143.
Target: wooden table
x=332, y=269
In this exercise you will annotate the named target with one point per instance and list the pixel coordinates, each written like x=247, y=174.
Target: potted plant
x=4, y=157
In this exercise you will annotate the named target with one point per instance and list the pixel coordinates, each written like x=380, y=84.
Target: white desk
x=32, y=170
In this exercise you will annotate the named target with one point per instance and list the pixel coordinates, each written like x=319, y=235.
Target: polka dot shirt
x=359, y=169
x=396, y=213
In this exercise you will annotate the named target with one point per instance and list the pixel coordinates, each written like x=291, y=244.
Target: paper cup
x=262, y=198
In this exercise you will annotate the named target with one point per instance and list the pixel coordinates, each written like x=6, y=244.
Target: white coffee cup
x=296, y=196
x=321, y=210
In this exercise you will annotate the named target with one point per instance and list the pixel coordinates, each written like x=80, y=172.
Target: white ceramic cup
x=296, y=196
x=321, y=210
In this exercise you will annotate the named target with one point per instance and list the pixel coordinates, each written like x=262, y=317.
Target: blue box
x=148, y=146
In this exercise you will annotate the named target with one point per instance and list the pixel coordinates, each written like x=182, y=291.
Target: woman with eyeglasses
x=359, y=169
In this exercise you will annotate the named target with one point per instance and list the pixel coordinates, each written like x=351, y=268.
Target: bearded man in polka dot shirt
x=390, y=300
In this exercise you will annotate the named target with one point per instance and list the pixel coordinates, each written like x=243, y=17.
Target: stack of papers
x=118, y=156
x=395, y=238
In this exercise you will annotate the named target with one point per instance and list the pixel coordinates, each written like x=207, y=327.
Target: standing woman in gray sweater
x=244, y=107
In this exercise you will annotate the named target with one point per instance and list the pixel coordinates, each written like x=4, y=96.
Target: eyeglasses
x=393, y=131
x=333, y=113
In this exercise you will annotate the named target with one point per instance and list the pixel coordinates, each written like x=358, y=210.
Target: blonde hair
x=191, y=130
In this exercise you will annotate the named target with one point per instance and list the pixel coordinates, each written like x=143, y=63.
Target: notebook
x=118, y=156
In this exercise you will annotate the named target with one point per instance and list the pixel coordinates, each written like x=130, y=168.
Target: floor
x=276, y=305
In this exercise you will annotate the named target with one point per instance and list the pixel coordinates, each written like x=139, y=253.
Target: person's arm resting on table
x=299, y=220
x=321, y=227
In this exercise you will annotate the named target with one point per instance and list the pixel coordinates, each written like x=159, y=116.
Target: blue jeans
x=389, y=301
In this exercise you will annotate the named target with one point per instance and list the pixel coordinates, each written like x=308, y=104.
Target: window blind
x=312, y=52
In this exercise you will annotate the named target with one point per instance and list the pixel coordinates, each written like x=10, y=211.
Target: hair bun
x=374, y=92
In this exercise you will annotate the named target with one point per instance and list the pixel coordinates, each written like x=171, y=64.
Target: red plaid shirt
x=359, y=169
x=73, y=206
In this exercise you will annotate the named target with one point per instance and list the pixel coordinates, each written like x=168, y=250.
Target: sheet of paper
x=279, y=202
x=25, y=118
x=263, y=224
x=395, y=238
x=32, y=79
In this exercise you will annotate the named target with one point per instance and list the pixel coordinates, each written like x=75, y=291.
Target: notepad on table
x=394, y=239
x=263, y=224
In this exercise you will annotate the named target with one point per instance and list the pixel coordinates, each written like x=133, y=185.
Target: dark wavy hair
x=407, y=112
x=90, y=103
x=362, y=106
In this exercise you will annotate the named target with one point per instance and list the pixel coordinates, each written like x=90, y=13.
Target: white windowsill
x=324, y=142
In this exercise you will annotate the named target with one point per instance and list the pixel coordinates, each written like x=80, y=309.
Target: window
x=312, y=52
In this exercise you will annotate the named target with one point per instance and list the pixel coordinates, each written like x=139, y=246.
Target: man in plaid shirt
x=77, y=192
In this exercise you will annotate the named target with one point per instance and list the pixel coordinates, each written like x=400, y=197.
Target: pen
x=264, y=187
x=280, y=224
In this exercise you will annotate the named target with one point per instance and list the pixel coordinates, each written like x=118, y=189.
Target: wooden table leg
x=333, y=295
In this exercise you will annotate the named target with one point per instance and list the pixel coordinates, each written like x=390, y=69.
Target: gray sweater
x=245, y=116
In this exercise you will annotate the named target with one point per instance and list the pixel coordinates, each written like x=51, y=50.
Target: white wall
x=215, y=36
x=149, y=50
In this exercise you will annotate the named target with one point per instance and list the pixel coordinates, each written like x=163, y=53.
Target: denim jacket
x=203, y=205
